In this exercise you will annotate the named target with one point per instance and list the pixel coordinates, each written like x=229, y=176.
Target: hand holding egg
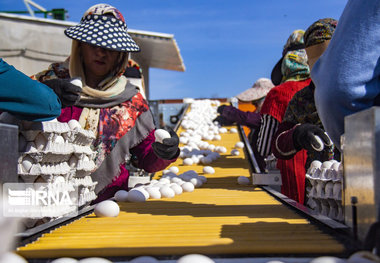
x=166, y=144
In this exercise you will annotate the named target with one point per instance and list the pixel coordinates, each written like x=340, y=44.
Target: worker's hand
x=310, y=137
x=221, y=108
x=68, y=93
x=222, y=121
x=168, y=149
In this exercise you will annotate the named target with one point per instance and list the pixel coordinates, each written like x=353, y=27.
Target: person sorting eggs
x=109, y=104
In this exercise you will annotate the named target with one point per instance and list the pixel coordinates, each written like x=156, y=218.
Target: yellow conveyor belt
x=221, y=217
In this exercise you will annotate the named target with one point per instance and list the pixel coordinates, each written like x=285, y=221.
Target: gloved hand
x=310, y=137
x=221, y=108
x=168, y=149
x=68, y=93
x=222, y=121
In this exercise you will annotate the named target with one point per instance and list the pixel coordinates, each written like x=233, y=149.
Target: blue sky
x=226, y=45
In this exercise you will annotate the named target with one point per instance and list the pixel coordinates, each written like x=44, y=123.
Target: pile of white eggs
x=325, y=191
x=199, y=130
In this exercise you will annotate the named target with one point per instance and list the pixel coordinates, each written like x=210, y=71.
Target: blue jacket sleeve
x=25, y=98
x=347, y=74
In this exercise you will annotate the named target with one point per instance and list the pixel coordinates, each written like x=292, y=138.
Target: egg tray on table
x=325, y=193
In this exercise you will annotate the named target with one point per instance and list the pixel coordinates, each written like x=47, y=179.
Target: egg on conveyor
x=107, y=208
x=10, y=257
x=239, y=145
x=233, y=130
x=327, y=259
x=187, y=187
x=65, y=260
x=167, y=192
x=161, y=134
x=208, y=170
x=188, y=161
x=242, y=180
x=154, y=192
x=74, y=125
x=136, y=196
x=195, y=258
x=174, y=169
x=176, y=188
x=235, y=152
x=121, y=196
x=94, y=260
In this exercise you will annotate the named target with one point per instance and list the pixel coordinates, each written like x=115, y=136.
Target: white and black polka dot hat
x=103, y=31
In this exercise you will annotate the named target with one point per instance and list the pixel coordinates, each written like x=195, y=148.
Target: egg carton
x=80, y=137
x=83, y=149
x=84, y=182
x=86, y=198
x=53, y=153
x=49, y=129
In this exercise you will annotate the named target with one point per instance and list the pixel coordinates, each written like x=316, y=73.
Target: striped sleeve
x=267, y=129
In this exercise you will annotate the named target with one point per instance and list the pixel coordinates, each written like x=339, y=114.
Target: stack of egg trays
x=325, y=193
x=52, y=150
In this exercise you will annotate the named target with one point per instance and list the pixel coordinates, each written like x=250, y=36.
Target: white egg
x=195, y=258
x=161, y=134
x=242, y=180
x=327, y=259
x=40, y=142
x=175, y=180
x=336, y=165
x=176, y=188
x=217, y=137
x=74, y=125
x=188, y=161
x=94, y=260
x=59, y=139
x=174, y=169
x=326, y=164
x=233, y=130
x=121, y=196
x=65, y=260
x=316, y=164
x=143, y=191
x=196, y=182
x=76, y=82
x=239, y=145
x=136, y=196
x=187, y=187
x=144, y=259
x=208, y=170
x=235, y=152
x=154, y=192
x=27, y=163
x=164, y=181
x=107, y=208
x=167, y=192
x=206, y=160
x=222, y=130
x=9, y=257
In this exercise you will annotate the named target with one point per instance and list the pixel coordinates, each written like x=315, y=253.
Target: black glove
x=68, y=93
x=310, y=137
x=221, y=108
x=168, y=149
x=222, y=121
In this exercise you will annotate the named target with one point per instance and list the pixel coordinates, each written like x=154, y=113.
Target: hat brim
x=101, y=34
x=252, y=94
x=276, y=75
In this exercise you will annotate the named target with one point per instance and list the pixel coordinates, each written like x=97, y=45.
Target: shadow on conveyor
x=227, y=183
x=173, y=208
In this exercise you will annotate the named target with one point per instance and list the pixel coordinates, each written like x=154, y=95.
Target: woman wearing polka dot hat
x=109, y=104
